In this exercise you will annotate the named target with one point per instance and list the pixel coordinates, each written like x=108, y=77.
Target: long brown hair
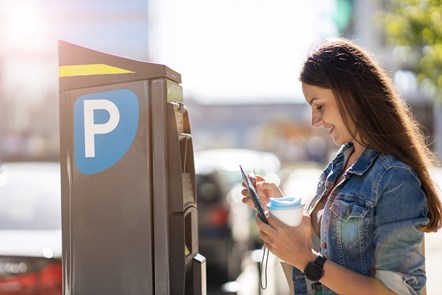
x=382, y=120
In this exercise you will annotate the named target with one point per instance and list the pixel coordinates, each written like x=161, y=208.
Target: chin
x=339, y=142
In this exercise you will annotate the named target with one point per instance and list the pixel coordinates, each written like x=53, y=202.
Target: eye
x=319, y=107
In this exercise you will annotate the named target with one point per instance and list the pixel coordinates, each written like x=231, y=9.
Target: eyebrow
x=312, y=100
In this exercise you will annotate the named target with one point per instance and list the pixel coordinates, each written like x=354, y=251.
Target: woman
x=363, y=231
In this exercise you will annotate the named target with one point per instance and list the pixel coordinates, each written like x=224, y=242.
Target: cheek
x=343, y=130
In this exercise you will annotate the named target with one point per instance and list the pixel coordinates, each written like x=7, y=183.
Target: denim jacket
x=369, y=224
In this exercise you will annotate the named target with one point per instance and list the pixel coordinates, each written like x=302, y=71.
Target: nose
x=316, y=119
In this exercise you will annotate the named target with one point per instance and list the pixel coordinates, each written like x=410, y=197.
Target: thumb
x=259, y=178
x=256, y=178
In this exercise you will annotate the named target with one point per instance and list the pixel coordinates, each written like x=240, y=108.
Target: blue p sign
x=105, y=124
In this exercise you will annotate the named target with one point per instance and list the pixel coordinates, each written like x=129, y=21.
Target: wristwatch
x=314, y=271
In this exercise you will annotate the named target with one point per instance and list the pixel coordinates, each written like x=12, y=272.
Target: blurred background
x=239, y=61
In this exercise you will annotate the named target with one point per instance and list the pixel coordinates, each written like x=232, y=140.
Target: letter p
x=91, y=129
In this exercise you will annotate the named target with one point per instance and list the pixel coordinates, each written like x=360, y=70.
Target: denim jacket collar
x=364, y=162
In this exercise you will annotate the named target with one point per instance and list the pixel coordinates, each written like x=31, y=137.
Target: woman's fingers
x=248, y=202
x=266, y=230
x=289, y=243
x=256, y=178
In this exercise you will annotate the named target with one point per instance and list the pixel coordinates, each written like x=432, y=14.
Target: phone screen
x=252, y=192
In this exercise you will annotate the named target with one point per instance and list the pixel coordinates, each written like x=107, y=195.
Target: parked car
x=30, y=229
x=217, y=173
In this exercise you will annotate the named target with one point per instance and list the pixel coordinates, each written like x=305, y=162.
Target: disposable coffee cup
x=289, y=210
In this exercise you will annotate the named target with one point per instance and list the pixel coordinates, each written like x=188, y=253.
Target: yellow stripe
x=88, y=70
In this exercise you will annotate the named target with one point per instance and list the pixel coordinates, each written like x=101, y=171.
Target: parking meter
x=129, y=216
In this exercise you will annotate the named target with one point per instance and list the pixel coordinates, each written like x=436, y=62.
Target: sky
x=226, y=50
x=238, y=50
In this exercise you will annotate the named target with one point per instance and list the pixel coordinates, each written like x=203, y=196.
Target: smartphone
x=253, y=194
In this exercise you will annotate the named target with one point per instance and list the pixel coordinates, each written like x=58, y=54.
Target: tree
x=416, y=27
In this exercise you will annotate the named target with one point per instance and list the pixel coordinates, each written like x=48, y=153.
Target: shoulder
x=388, y=161
x=385, y=174
x=382, y=169
x=392, y=171
x=398, y=185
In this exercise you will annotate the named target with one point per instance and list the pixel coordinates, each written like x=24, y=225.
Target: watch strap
x=320, y=260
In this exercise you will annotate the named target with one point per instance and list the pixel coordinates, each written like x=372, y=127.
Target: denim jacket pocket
x=347, y=210
x=349, y=228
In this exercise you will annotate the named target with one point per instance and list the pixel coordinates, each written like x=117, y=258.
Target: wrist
x=309, y=257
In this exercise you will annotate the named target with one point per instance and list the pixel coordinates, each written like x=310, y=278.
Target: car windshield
x=30, y=197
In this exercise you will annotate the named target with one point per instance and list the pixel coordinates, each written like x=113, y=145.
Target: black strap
x=265, y=254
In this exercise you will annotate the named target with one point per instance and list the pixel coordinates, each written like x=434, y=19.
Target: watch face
x=314, y=272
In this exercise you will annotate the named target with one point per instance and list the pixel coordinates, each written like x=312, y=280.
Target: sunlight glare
x=24, y=27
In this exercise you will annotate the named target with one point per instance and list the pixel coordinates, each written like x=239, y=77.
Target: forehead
x=313, y=93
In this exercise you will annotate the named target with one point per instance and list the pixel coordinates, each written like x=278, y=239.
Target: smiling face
x=325, y=113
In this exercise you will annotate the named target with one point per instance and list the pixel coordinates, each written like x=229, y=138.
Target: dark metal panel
x=107, y=216
x=160, y=185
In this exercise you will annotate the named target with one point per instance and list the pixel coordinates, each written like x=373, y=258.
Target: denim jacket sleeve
x=401, y=208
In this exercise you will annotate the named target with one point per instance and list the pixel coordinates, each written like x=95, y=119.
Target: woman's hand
x=292, y=244
x=265, y=190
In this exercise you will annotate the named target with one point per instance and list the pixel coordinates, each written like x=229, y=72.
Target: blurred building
x=280, y=128
x=29, y=30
